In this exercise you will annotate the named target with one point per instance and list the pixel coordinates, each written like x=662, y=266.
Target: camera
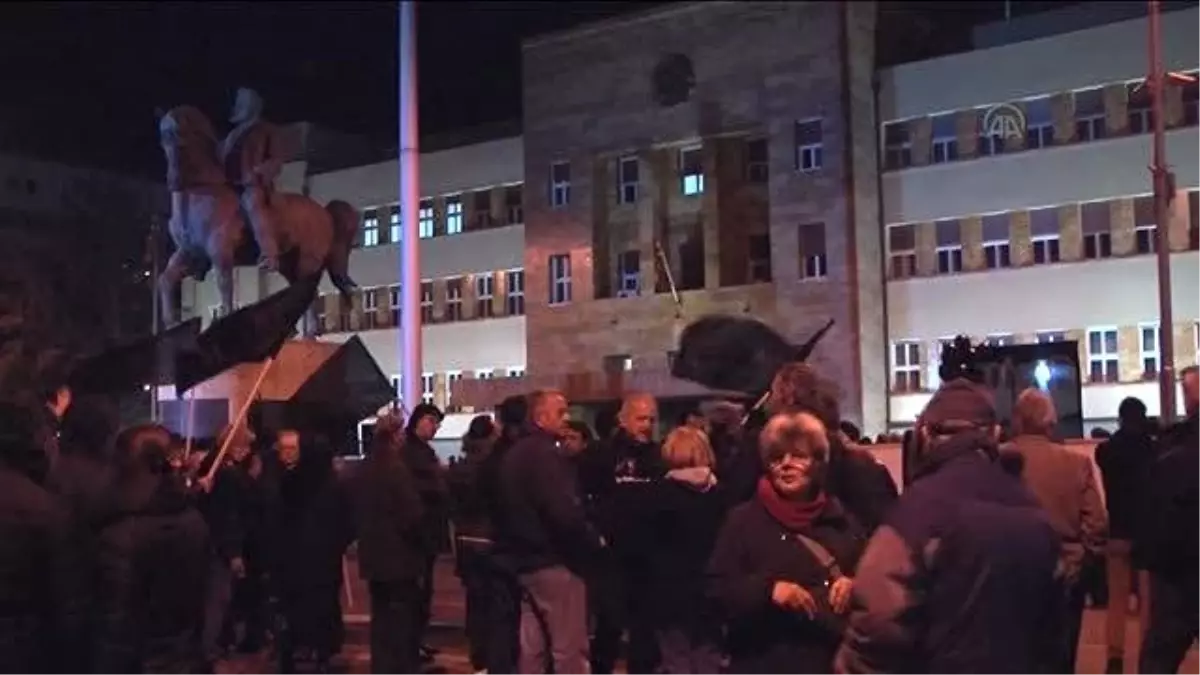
x=963, y=360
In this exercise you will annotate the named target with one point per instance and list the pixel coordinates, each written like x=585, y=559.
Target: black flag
x=348, y=386
x=249, y=335
x=147, y=361
x=736, y=353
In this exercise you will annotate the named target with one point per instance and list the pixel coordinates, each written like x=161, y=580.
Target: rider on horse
x=250, y=156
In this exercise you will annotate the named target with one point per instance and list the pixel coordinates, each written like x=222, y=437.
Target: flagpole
x=154, y=308
x=410, y=195
x=241, y=417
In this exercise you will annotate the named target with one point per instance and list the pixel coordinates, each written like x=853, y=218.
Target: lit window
x=514, y=283
x=617, y=363
x=370, y=305
x=1039, y=123
x=425, y=220
x=897, y=146
x=1102, y=355
x=560, y=279
x=757, y=161
x=809, y=145
x=426, y=302
x=935, y=360
x=999, y=340
x=1089, y=115
x=484, y=374
x=627, y=180
x=1045, y=249
x=560, y=184
x=484, y=296
x=515, y=371
x=452, y=378
x=906, y=366
x=370, y=228
x=629, y=274
x=944, y=139
x=394, y=225
x=812, y=251
x=1148, y=350
x=902, y=251
x=454, y=215
x=427, y=388
x=454, y=299
x=1050, y=336
x=691, y=171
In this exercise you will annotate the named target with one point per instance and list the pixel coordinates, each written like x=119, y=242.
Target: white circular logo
x=1005, y=121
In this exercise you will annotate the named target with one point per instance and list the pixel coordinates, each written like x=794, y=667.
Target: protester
x=1064, y=483
x=1124, y=460
x=682, y=517
x=960, y=577
x=309, y=525
x=152, y=565
x=430, y=476
x=540, y=527
x=782, y=566
x=1170, y=539
x=473, y=533
x=393, y=549
x=695, y=418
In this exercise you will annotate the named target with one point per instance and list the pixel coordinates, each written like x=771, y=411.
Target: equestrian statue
x=225, y=210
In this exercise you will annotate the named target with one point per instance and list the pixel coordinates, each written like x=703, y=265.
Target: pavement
x=446, y=634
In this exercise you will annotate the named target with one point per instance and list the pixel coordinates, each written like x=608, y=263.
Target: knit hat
x=421, y=411
x=960, y=401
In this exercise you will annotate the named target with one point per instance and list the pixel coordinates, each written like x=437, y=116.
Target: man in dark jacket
x=392, y=550
x=961, y=576
x=1124, y=459
x=541, y=529
x=430, y=477
x=1170, y=539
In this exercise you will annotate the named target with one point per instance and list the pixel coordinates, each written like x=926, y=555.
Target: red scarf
x=793, y=515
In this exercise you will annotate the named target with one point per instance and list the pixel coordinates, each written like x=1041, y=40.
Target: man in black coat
x=430, y=477
x=392, y=549
x=541, y=529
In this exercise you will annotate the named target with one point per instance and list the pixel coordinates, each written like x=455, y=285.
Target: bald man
x=539, y=526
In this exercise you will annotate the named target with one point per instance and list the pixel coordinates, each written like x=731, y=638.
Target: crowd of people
x=773, y=543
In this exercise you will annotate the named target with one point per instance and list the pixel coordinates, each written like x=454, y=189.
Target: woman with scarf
x=781, y=567
x=683, y=514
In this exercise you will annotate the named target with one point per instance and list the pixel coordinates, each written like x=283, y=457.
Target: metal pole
x=410, y=274
x=1162, y=242
x=154, y=308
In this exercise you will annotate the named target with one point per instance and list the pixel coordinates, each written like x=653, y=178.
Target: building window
x=627, y=180
x=1194, y=220
x=514, y=283
x=560, y=279
x=1148, y=348
x=809, y=145
x=1045, y=337
x=454, y=215
x=1141, y=114
x=948, y=235
x=394, y=304
x=515, y=371
x=370, y=308
x=1089, y=115
x=989, y=143
x=484, y=295
x=483, y=209
x=997, y=253
x=1191, y=95
x=452, y=377
x=758, y=261
x=425, y=220
x=629, y=274
x=1045, y=249
x=617, y=363
x=512, y=204
x=427, y=388
x=906, y=366
x=1144, y=228
x=691, y=171
x=757, y=161
x=812, y=251
x=454, y=293
x=370, y=227
x=1102, y=355
x=1094, y=218
x=426, y=302
x=945, y=139
x=394, y=225
x=1039, y=123
x=935, y=360
x=999, y=340
x=560, y=184
x=902, y=251
x=897, y=146
x=484, y=374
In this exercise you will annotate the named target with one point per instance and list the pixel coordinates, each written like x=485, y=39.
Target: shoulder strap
x=822, y=554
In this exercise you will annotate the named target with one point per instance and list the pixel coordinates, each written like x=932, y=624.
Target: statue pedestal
x=219, y=399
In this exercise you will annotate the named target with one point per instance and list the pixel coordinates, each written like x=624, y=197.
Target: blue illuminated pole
x=410, y=275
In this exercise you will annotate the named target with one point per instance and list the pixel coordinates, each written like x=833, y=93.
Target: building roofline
x=603, y=25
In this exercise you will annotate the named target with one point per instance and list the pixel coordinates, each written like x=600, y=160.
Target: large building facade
x=1017, y=204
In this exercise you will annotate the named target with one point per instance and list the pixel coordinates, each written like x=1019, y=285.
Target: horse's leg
x=168, y=284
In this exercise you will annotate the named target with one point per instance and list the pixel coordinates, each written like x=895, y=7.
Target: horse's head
x=185, y=125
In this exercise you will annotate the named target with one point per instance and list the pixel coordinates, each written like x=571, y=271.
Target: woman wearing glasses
x=781, y=570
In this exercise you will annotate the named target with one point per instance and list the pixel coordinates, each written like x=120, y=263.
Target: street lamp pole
x=1162, y=182
x=410, y=275
x=152, y=243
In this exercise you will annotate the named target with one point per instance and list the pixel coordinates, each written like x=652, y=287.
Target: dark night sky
x=81, y=81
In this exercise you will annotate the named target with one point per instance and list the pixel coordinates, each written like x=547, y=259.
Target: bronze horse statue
x=210, y=230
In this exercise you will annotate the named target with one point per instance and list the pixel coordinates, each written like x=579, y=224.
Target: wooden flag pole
x=666, y=266
x=241, y=418
x=762, y=400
